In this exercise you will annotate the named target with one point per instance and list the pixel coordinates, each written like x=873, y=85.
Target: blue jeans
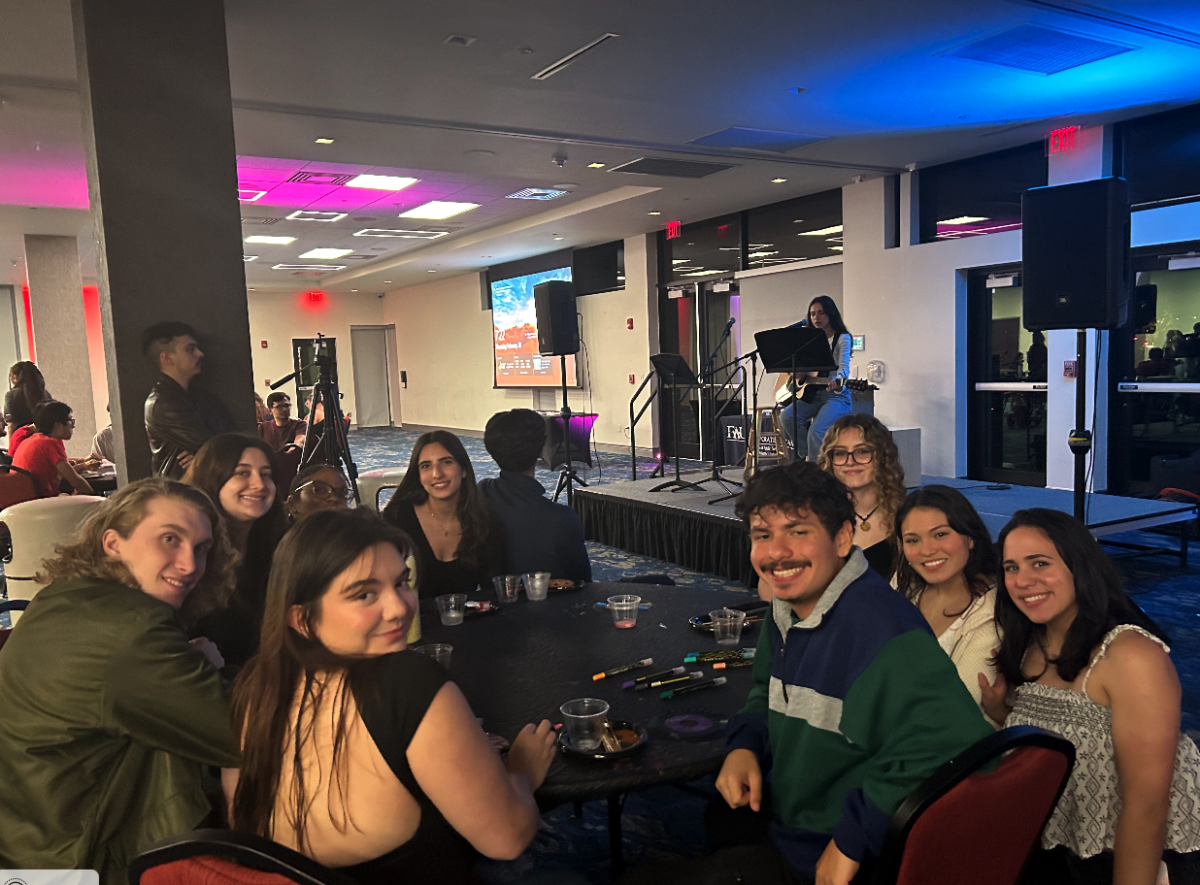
x=814, y=419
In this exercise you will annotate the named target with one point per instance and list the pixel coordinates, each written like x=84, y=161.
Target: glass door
x=1006, y=376
x=1154, y=418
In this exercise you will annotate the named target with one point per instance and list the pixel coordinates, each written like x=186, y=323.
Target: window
x=706, y=249
x=981, y=195
x=1160, y=158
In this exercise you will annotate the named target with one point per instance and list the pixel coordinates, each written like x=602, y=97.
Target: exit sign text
x=1062, y=139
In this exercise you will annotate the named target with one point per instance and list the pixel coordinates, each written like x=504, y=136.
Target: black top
x=179, y=420
x=16, y=410
x=541, y=536
x=435, y=577
x=407, y=686
x=881, y=556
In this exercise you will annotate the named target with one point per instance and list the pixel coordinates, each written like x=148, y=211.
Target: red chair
x=17, y=486
x=966, y=826
x=227, y=857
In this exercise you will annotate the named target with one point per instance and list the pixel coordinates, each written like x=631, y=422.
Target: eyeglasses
x=70, y=422
x=860, y=455
x=325, y=490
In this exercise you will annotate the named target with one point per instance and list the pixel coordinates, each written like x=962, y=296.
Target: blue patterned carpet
x=665, y=822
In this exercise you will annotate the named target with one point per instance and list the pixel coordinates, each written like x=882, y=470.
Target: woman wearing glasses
x=317, y=487
x=859, y=451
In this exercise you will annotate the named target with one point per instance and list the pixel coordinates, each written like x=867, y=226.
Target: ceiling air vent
x=672, y=168
x=332, y=179
x=1038, y=48
x=259, y=220
x=757, y=140
x=459, y=40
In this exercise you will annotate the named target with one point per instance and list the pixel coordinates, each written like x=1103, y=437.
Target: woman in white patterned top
x=1086, y=662
x=947, y=567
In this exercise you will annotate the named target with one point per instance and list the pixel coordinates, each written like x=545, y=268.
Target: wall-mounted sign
x=674, y=230
x=1062, y=139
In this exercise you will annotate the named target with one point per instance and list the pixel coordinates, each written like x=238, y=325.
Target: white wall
x=772, y=301
x=277, y=319
x=444, y=340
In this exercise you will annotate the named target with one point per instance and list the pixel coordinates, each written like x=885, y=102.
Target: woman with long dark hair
x=356, y=752
x=27, y=391
x=237, y=471
x=947, y=567
x=820, y=402
x=1084, y=661
x=458, y=544
x=859, y=451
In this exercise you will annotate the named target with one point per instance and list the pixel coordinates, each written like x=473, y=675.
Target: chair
x=963, y=825
x=227, y=857
x=10, y=605
x=16, y=487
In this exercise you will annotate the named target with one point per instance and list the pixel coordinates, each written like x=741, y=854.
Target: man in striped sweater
x=854, y=703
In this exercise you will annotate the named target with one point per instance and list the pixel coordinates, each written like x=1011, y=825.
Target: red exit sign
x=1062, y=139
x=674, y=230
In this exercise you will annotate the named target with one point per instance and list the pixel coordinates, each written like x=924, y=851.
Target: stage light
x=439, y=209
x=381, y=182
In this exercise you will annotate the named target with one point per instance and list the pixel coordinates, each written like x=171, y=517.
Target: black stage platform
x=683, y=528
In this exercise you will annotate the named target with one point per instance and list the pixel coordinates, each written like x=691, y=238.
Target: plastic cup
x=727, y=625
x=624, y=610
x=439, y=651
x=537, y=585
x=451, y=608
x=584, y=719
x=507, y=587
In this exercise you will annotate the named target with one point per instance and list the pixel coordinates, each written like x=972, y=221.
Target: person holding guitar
x=811, y=402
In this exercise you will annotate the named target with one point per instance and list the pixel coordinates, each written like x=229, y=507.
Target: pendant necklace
x=866, y=526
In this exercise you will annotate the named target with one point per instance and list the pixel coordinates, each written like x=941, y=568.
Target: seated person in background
x=317, y=487
x=858, y=450
x=948, y=568
x=237, y=472
x=541, y=536
x=396, y=782
x=459, y=544
x=1087, y=663
x=102, y=443
x=109, y=711
x=853, y=704
x=1156, y=365
x=44, y=455
x=280, y=428
x=261, y=412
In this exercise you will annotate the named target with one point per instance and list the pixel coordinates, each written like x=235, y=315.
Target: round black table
x=521, y=663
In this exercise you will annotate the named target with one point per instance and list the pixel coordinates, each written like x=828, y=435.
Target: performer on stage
x=815, y=405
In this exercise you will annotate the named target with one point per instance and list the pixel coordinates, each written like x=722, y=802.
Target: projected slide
x=515, y=334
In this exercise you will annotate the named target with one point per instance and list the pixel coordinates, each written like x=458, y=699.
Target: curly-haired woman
x=859, y=451
x=109, y=711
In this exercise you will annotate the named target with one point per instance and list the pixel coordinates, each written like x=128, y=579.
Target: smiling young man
x=854, y=703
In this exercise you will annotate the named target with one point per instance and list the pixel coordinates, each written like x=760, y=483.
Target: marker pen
x=699, y=686
x=636, y=665
x=674, y=671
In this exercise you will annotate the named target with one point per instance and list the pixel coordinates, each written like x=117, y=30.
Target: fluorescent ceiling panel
x=326, y=253
x=318, y=267
x=310, y=215
x=536, y=193
x=381, y=182
x=964, y=219
x=249, y=258
x=823, y=232
x=402, y=234
x=245, y=195
x=264, y=240
x=439, y=209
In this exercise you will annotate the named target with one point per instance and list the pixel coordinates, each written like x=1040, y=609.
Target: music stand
x=792, y=349
x=674, y=372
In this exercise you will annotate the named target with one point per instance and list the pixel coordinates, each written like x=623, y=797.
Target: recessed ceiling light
x=249, y=288
x=326, y=253
x=825, y=231
x=597, y=165
x=778, y=180
x=401, y=234
x=353, y=290
x=798, y=221
x=324, y=141
x=439, y=209
x=309, y=266
x=249, y=258
x=312, y=215
x=387, y=281
x=536, y=193
x=381, y=182
x=654, y=212
x=245, y=195
x=431, y=271
x=264, y=240
x=965, y=219
x=459, y=40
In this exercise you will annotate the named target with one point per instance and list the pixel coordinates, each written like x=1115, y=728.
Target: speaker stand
x=567, y=477
x=1080, y=440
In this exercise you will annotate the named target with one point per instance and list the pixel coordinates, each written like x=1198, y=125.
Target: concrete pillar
x=1091, y=157
x=59, y=330
x=162, y=182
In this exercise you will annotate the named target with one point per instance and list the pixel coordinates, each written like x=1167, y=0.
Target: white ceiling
x=376, y=76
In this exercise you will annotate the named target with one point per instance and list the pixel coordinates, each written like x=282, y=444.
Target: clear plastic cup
x=451, y=608
x=537, y=585
x=727, y=625
x=624, y=610
x=584, y=720
x=507, y=588
x=439, y=651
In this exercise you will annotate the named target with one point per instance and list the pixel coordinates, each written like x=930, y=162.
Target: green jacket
x=106, y=713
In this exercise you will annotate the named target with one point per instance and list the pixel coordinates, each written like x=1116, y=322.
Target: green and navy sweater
x=851, y=709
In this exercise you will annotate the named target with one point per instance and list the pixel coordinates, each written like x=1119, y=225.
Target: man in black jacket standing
x=179, y=416
x=541, y=536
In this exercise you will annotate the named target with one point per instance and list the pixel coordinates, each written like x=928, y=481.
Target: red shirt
x=19, y=436
x=40, y=455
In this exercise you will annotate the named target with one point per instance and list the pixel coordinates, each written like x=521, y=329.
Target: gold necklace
x=866, y=526
x=447, y=527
